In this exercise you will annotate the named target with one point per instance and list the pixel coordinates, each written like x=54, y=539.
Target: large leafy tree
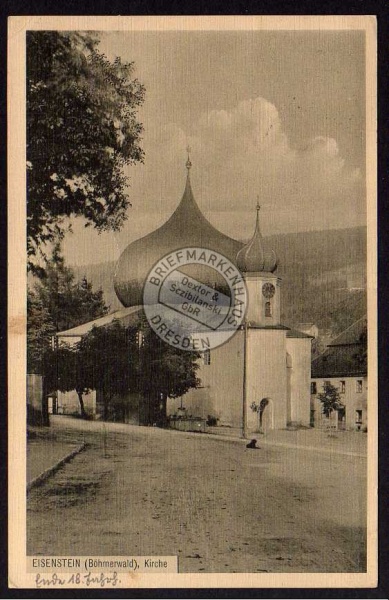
x=65, y=371
x=82, y=130
x=117, y=360
x=164, y=371
x=104, y=354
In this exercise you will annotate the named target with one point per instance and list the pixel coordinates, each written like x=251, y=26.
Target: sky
x=277, y=116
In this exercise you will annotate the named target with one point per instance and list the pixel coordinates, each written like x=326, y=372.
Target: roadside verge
x=51, y=470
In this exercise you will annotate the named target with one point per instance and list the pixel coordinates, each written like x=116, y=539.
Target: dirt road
x=217, y=505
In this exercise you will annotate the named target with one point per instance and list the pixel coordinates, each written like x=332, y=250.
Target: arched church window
x=268, y=312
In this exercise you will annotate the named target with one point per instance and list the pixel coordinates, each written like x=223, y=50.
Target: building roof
x=343, y=356
x=126, y=315
x=351, y=335
x=255, y=325
x=295, y=333
x=187, y=227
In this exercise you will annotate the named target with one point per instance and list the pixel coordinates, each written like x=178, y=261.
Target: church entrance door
x=266, y=416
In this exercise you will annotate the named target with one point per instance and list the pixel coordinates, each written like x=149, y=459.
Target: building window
x=313, y=387
x=268, y=312
x=139, y=338
x=207, y=357
x=359, y=386
x=342, y=387
x=358, y=417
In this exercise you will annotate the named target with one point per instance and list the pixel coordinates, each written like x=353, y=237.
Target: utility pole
x=245, y=361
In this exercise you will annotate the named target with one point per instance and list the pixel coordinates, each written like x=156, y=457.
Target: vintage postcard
x=192, y=293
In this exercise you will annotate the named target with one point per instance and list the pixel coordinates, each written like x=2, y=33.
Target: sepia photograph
x=192, y=289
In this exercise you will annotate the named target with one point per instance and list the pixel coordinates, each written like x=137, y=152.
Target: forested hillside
x=323, y=277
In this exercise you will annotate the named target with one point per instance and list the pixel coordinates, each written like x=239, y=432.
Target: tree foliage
x=165, y=368
x=330, y=399
x=105, y=354
x=118, y=360
x=65, y=372
x=70, y=303
x=82, y=130
x=164, y=371
x=56, y=303
x=40, y=329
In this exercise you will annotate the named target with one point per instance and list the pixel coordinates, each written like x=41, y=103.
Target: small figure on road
x=252, y=444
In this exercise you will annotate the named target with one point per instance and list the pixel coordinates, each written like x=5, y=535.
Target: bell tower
x=258, y=267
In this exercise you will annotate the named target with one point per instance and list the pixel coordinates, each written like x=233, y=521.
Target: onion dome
x=187, y=227
x=253, y=258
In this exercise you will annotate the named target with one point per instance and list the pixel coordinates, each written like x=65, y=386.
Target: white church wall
x=196, y=403
x=266, y=375
x=221, y=394
x=299, y=350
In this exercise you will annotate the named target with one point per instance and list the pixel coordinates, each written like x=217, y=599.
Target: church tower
x=258, y=266
x=264, y=374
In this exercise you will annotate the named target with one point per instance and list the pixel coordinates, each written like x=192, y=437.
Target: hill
x=323, y=277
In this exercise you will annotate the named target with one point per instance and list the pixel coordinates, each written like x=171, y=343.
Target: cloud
x=241, y=153
x=237, y=155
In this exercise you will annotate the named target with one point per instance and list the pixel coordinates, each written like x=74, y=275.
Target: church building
x=260, y=378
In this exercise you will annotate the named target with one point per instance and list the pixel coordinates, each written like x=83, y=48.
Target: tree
x=330, y=399
x=165, y=372
x=64, y=371
x=82, y=130
x=118, y=360
x=68, y=303
x=105, y=354
x=56, y=303
x=100, y=360
x=40, y=329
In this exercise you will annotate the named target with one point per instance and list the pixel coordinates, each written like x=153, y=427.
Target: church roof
x=253, y=258
x=187, y=227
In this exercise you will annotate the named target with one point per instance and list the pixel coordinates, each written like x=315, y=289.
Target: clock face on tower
x=268, y=290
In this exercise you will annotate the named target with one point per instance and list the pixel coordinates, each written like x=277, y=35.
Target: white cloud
x=243, y=152
x=237, y=155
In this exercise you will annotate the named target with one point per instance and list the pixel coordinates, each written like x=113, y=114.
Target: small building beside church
x=343, y=365
x=260, y=378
